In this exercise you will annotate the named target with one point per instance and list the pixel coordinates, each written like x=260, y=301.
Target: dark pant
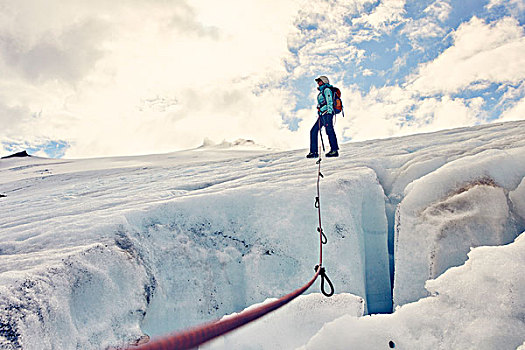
x=327, y=122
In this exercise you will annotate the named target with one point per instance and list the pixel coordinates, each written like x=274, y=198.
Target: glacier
x=108, y=250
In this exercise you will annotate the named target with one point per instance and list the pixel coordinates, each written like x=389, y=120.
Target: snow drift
x=465, y=203
x=479, y=305
x=107, y=250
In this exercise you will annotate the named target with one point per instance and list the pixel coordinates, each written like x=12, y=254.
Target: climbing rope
x=196, y=336
x=322, y=237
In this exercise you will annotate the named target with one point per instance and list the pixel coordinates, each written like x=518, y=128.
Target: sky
x=97, y=78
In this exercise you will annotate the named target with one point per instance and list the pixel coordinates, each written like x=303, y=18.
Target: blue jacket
x=325, y=101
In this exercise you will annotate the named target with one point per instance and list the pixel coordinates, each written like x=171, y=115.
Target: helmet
x=323, y=79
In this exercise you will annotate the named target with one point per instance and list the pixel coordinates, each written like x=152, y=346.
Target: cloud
x=69, y=56
x=516, y=112
x=445, y=113
x=184, y=19
x=335, y=38
x=376, y=114
x=13, y=116
x=439, y=9
x=482, y=52
x=513, y=103
x=430, y=25
x=394, y=111
x=42, y=48
x=3, y=151
x=387, y=15
x=128, y=77
x=423, y=28
x=210, y=112
x=322, y=41
x=515, y=7
x=133, y=77
x=23, y=128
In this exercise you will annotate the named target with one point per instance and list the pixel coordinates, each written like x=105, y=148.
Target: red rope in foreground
x=196, y=336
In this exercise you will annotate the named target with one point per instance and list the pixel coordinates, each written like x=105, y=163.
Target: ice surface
x=480, y=305
x=106, y=250
x=287, y=327
x=517, y=198
x=75, y=304
x=461, y=205
x=234, y=248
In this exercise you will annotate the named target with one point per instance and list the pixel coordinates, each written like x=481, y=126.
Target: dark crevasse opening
x=390, y=207
x=378, y=256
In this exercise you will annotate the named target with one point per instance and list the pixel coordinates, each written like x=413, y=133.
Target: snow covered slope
x=480, y=305
x=105, y=250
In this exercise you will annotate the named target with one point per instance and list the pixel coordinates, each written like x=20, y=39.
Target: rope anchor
x=324, y=278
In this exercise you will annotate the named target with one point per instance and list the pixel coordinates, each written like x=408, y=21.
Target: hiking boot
x=333, y=154
x=312, y=155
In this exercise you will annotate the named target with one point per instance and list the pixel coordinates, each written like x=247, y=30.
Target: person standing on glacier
x=325, y=111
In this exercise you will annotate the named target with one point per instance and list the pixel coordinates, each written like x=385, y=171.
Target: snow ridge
x=163, y=242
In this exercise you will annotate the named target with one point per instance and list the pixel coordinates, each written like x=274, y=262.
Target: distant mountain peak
x=17, y=155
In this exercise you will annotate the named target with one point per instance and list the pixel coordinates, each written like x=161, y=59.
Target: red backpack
x=338, y=103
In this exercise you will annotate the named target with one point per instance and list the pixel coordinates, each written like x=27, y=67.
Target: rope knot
x=324, y=278
x=324, y=240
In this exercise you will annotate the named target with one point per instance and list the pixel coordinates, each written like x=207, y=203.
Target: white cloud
x=140, y=77
x=67, y=56
x=516, y=112
x=511, y=94
x=400, y=62
x=383, y=18
x=377, y=114
x=513, y=103
x=440, y=9
x=393, y=111
x=445, y=113
x=481, y=53
x=423, y=28
x=3, y=152
x=128, y=77
x=319, y=42
x=515, y=6
x=430, y=25
x=210, y=112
